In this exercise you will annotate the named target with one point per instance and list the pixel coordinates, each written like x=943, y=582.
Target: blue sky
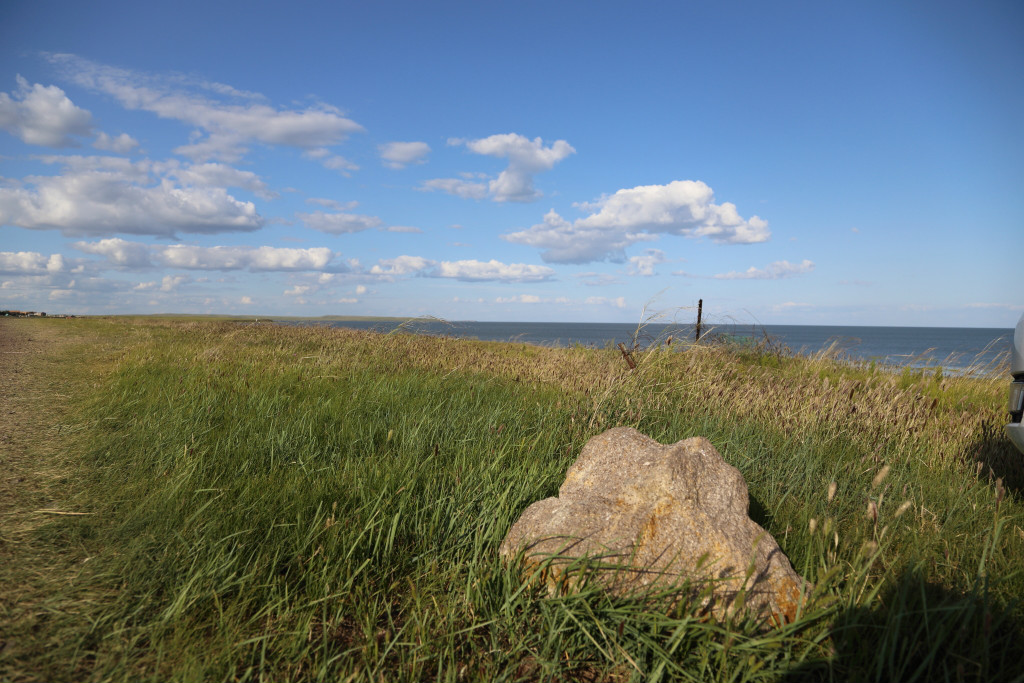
x=788, y=163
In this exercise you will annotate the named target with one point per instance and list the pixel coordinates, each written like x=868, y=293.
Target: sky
x=809, y=163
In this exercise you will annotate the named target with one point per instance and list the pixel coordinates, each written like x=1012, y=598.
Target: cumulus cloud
x=229, y=123
x=469, y=270
x=247, y=258
x=617, y=302
x=124, y=254
x=215, y=175
x=339, y=223
x=644, y=264
x=97, y=196
x=43, y=115
x=332, y=203
x=122, y=144
x=398, y=155
x=682, y=207
x=118, y=252
x=30, y=263
x=773, y=271
x=519, y=299
x=526, y=158
x=401, y=265
x=454, y=186
x=579, y=242
x=472, y=269
x=171, y=282
x=331, y=161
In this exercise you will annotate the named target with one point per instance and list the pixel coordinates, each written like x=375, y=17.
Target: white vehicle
x=1015, y=430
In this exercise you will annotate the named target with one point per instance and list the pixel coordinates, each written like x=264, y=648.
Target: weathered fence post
x=628, y=356
x=700, y=307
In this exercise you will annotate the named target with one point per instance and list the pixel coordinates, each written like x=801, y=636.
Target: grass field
x=203, y=500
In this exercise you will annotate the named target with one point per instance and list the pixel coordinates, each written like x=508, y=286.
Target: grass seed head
x=872, y=511
x=880, y=477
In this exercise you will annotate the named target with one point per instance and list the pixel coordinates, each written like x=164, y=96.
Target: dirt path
x=24, y=346
x=37, y=566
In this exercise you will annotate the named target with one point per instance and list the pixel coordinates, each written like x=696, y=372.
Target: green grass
x=280, y=503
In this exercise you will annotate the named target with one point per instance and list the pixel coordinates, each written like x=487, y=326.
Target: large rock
x=650, y=515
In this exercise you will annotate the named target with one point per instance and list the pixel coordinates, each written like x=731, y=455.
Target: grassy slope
x=283, y=503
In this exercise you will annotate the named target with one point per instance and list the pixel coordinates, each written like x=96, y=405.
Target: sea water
x=953, y=348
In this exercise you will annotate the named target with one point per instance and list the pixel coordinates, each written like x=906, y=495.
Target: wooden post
x=628, y=356
x=700, y=309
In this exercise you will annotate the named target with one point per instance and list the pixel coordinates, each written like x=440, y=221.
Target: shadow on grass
x=757, y=512
x=923, y=632
x=997, y=457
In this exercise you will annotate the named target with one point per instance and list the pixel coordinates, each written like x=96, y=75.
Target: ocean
x=953, y=348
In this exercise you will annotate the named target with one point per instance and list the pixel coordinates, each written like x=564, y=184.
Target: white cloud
x=247, y=300
x=644, y=264
x=789, y=306
x=454, y=186
x=332, y=204
x=398, y=155
x=526, y=158
x=361, y=289
x=30, y=263
x=122, y=144
x=491, y=270
x=617, y=302
x=401, y=265
x=682, y=207
x=215, y=175
x=43, y=115
x=403, y=228
x=244, y=258
x=171, y=282
x=118, y=252
x=125, y=254
x=107, y=195
x=229, y=125
x=298, y=290
x=339, y=223
x=520, y=299
x=331, y=161
x=469, y=270
x=773, y=271
x=565, y=242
